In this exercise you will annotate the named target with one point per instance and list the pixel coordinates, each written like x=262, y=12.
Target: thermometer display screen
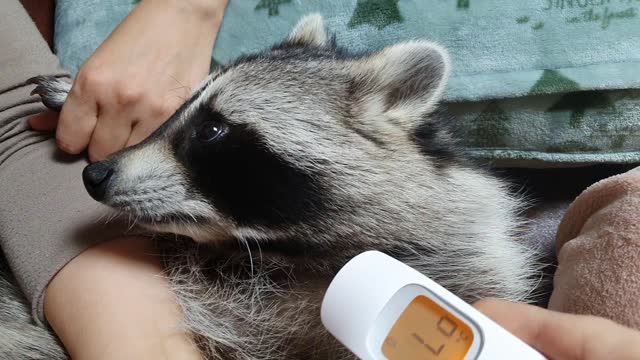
x=427, y=331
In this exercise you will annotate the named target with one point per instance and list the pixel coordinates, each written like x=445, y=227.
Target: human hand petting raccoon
x=137, y=78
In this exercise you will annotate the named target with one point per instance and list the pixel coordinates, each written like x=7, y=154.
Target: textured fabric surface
x=598, y=246
x=46, y=217
x=499, y=48
x=533, y=83
x=543, y=226
x=540, y=234
x=566, y=129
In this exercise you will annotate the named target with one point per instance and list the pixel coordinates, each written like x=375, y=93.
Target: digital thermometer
x=380, y=309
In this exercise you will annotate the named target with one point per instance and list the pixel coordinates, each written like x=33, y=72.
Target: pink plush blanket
x=598, y=245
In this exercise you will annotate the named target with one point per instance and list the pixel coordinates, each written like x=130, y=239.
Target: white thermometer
x=380, y=309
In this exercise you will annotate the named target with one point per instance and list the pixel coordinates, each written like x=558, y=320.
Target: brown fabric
x=598, y=245
x=42, y=13
x=46, y=217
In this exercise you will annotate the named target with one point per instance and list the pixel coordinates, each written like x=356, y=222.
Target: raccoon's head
x=303, y=136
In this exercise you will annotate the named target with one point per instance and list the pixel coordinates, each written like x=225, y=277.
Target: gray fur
x=252, y=289
x=20, y=337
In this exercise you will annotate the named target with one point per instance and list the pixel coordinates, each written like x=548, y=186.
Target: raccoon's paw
x=52, y=90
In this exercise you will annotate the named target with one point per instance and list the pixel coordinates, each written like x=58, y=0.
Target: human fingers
x=45, y=121
x=110, y=135
x=78, y=117
x=564, y=336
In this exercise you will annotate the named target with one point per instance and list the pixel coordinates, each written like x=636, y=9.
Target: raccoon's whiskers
x=132, y=223
x=182, y=86
x=129, y=219
x=190, y=215
x=114, y=214
x=102, y=218
x=246, y=243
x=259, y=251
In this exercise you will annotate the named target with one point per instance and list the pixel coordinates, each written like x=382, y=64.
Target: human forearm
x=112, y=302
x=207, y=9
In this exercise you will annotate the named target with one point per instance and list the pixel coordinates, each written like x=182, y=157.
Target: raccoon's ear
x=310, y=31
x=403, y=81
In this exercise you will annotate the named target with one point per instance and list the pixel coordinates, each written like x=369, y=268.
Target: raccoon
x=285, y=164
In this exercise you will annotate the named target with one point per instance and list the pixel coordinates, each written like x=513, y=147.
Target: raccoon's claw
x=40, y=81
x=52, y=90
x=36, y=91
x=39, y=90
x=36, y=79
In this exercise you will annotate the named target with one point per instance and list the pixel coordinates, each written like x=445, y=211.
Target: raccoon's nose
x=96, y=179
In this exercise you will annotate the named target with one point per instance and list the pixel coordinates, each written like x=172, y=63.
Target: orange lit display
x=427, y=331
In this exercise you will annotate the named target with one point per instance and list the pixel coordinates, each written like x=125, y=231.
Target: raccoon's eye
x=210, y=131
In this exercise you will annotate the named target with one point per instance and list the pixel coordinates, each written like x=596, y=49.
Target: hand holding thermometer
x=380, y=309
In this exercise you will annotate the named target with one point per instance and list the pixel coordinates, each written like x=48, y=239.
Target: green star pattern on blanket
x=463, y=4
x=491, y=127
x=552, y=81
x=272, y=5
x=579, y=102
x=619, y=141
x=377, y=13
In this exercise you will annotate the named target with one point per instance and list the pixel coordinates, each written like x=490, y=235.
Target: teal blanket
x=534, y=82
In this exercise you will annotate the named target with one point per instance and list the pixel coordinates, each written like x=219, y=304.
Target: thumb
x=563, y=336
x=46, y=121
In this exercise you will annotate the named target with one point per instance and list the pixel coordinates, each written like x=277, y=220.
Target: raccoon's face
x=278, y=141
